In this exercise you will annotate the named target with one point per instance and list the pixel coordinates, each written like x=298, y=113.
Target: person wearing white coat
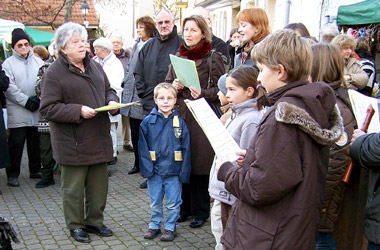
x=115, y=73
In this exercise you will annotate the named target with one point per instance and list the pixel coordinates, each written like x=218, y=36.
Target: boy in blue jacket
x=164, y=151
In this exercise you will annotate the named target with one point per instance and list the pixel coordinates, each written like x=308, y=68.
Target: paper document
x=360, y=104
x=116, y=106
x=186, y=72
x=220, y=139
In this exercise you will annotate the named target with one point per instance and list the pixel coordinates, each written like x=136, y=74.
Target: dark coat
x=152, y=66
x=220, y=46
x=159, y=135
x=366, y=152
x=281, y=184
x=202, y=153
x=338, y=162
x=4, y=155
x=64, y=90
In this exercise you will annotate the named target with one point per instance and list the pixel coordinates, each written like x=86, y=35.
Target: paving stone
x=37, y=215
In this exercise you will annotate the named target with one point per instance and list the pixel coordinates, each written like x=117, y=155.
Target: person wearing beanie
x=22, y=107
x=223, y=99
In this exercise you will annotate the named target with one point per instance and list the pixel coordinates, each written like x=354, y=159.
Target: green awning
x=39, y=37
x=365, y=12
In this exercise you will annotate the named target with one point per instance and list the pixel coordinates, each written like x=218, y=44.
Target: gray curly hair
x=66, y=31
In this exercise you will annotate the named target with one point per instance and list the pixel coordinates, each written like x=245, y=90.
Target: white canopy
x=6, y=27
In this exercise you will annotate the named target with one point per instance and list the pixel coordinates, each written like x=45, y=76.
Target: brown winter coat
x=65, y=89
x=281, y=184
x=202, y=153
x=338, y=162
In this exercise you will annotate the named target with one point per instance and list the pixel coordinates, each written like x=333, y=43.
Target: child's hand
x=195, y=93
x=241, y=155
x=177, y=84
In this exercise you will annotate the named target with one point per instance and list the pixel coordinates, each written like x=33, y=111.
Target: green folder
x=186, y=72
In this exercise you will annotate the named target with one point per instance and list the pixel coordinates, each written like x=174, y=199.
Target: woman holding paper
x=196, y=46
x=72, y=87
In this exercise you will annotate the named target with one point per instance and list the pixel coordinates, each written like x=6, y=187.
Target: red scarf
x=195, y=53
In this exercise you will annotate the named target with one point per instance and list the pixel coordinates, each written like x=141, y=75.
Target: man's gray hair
x=167, y=11
x=66, y=31
x=103, y=43
x=203, y=12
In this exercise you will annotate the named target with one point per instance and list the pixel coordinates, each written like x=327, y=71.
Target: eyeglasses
x=20, y=45
x=164, y=22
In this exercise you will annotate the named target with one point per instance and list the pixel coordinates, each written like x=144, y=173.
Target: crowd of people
x=282, y=96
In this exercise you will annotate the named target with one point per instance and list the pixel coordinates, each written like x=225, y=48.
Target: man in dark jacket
x=153, y=61
x=4, y=155
x=365, y=150
x=216, y=43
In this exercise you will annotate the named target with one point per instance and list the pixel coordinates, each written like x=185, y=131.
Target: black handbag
x=214, y=105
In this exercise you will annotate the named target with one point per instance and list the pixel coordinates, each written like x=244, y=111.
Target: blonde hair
x=286, y=48
x=344, y=40
x=328, y=63
x=167, y=86
x=258, y=18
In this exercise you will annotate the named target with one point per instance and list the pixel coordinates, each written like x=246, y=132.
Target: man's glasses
x=163, y=22
x=20, y=45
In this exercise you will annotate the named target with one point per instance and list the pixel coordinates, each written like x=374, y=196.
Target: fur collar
x=292, y=114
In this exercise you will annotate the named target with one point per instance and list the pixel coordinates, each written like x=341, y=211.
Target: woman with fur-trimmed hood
x=281, y=183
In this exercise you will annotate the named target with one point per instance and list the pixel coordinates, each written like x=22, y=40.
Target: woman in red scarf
x=196, y=46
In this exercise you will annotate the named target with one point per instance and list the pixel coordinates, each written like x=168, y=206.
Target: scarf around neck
x=195, y=53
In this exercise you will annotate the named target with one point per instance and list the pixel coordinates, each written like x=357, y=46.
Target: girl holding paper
x=196, y=46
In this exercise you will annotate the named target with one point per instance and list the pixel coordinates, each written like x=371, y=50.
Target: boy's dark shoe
x=144, y=185
x=152, y=233
x=196, y=223
x=13, y=182
x=80, y=235
x=134, y=170
x=168, y=235
x=45, y=182
x=100, y=231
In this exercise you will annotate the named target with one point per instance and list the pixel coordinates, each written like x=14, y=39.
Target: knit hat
x=222, y=84
x=17, y=35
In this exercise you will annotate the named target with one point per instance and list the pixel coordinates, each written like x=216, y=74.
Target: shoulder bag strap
x=209, y=63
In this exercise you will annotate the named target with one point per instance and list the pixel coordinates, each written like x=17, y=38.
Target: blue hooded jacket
x=164, y=146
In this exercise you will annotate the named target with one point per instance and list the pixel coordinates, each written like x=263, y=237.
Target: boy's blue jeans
x=171, y=188
x=325, y=241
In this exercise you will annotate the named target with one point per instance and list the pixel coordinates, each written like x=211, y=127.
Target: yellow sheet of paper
x=220, y=139
x=116, y=106
x=186, y=72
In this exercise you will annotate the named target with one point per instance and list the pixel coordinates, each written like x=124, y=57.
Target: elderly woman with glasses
x=71, y=89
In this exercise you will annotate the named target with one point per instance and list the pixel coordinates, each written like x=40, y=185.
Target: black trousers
x=16, y=141
x=135, y=130
x=47, y=160
x=195, y=197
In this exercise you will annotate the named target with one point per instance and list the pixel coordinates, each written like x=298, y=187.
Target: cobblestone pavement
x=37, y=214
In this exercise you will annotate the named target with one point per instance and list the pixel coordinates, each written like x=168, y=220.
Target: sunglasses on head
x=20, y=45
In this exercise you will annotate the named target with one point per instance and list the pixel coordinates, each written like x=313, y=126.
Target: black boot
x=45, y=182
x=134, y=170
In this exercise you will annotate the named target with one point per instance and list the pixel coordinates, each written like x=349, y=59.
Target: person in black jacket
x=4, y=156
x=365, y=150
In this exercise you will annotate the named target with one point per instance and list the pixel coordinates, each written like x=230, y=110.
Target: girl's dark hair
x=149, y=24
x=233, y=31
x=246, y=76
